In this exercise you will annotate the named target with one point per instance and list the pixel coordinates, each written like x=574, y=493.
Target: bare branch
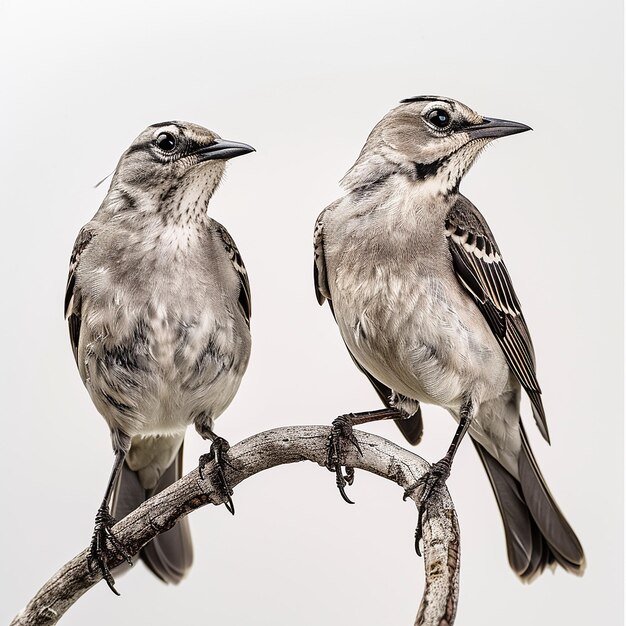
x=255, y=454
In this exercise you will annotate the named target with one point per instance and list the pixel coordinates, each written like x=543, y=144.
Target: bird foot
x=340, y=433
x=218, y=455
x=97, y=549
x=430, y=483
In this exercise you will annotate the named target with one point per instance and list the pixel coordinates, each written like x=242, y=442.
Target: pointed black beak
x=492, y=127
x=223, y=149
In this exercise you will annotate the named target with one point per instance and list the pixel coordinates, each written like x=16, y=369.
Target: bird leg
x=103, y=530
x=342, y=432
x=217, y=454
x=439, y=472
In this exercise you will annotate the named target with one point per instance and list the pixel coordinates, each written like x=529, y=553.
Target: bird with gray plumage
x=426, y=307
x=158, y=306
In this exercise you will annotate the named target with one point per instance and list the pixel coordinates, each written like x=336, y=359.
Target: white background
x=304, y=83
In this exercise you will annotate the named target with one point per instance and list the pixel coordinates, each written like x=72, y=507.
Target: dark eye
x=166, y=142
x=439, y=118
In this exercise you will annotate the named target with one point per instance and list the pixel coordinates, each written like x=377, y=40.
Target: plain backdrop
x=304, y=83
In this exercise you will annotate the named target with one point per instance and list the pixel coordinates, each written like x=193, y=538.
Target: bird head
x=428, y=138
x=173, y=160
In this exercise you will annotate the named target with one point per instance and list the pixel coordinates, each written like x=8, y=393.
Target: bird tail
x=537, y=533
x=412, y=427
x=170, y=554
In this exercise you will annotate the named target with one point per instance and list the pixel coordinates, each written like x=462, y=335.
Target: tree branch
x=255, y=454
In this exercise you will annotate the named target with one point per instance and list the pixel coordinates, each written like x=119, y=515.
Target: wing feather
x=72, y=305
x=245, y=295
x=481, y=270
x=319, y=266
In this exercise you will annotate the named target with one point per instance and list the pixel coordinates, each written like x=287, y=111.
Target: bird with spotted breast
x=426, y=308
x=158, y=306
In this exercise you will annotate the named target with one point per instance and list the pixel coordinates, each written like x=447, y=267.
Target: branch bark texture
x=257, y=453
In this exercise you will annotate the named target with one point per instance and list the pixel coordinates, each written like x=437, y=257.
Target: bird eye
x=439, y=118
x=166, y=142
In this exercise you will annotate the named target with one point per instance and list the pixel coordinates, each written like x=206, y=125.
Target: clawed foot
x=428, y=484
x=97, y=550
x=340, y=432
x=218, y=455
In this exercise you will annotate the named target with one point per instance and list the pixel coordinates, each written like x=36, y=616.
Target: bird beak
x=493, y=128
x=223, y=149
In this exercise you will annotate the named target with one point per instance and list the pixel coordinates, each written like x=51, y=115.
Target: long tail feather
x=537, y=534
x=412, y=427
x=169, y=555
x=562, y=540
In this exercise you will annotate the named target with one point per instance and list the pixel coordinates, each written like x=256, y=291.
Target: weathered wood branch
x=255, y=454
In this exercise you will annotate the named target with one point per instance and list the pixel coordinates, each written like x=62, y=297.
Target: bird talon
x=341, y=430
x=217, y=455
x=341, y=484
x=203, y=461
x=97, y=549
x=226, y=491
x=433, y=480
x=110, y=581
x=418, y=530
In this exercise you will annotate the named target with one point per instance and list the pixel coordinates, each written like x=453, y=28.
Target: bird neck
x=437, y=178
x=398, y=206
x=181, y=203
x=368, y=170
x=168, y=221
x=436, y=181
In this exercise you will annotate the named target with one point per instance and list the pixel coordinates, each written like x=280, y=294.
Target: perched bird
x=158, y=306
x=426, y=307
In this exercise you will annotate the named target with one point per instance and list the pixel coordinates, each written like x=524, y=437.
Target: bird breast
x=160, y=343
x=404, y=316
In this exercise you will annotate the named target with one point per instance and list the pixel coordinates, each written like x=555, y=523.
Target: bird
x=158, y=306
x=426, y=308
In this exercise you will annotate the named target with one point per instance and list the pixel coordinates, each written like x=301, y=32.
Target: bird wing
x=481, y=270
x=245, y=296
x=319, y=267
x=72, y=294
x=412, y=427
